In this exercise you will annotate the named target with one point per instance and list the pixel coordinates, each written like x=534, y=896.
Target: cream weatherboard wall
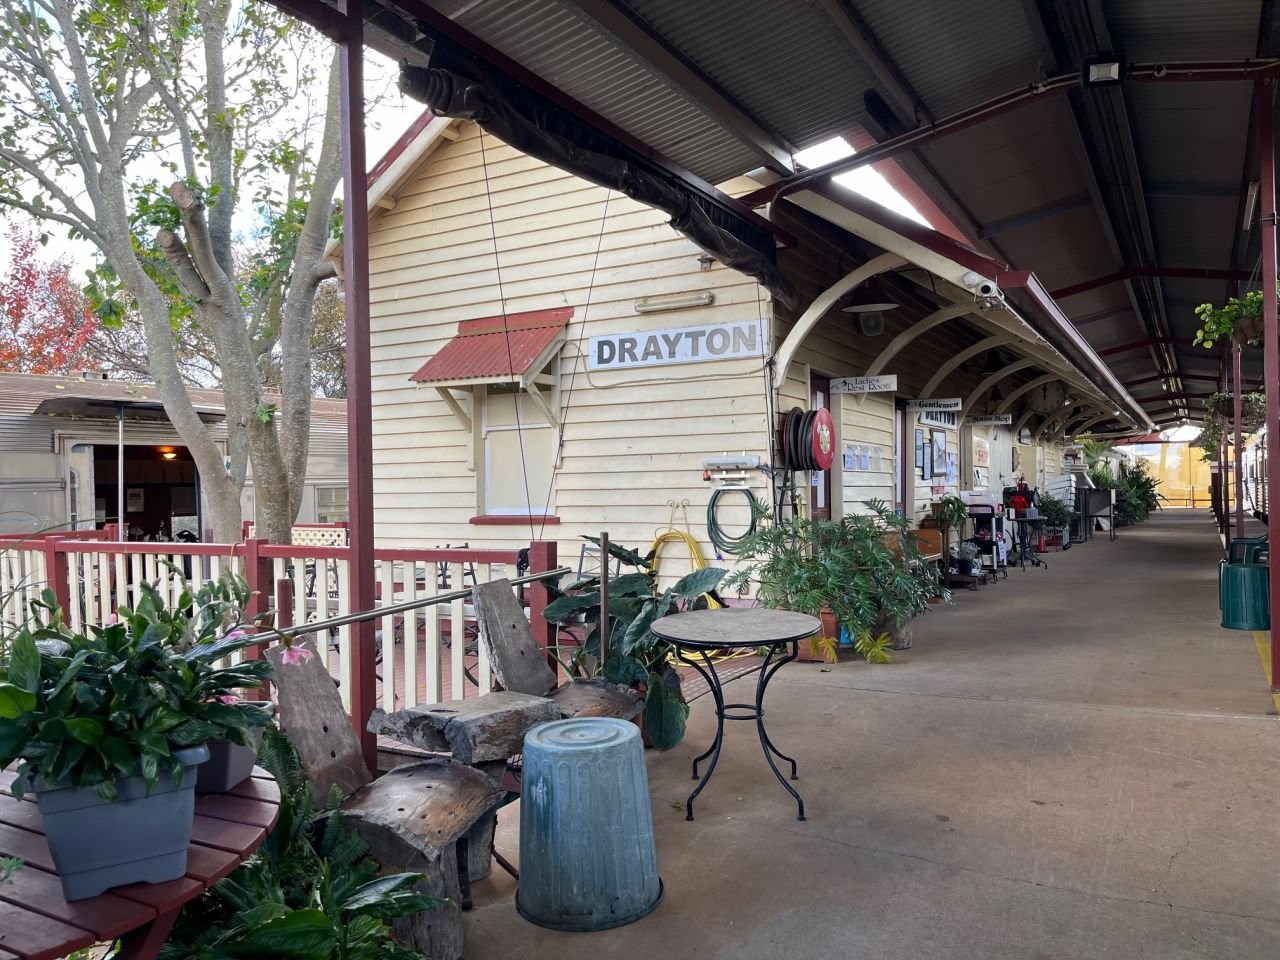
x=632, y=440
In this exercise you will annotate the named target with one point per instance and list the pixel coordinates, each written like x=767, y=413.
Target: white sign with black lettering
x=946, y=403
x=884, y=384
x=993, y=419
x=723, y=341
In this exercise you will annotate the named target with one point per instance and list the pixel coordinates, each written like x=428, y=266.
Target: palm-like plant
x=866, y=568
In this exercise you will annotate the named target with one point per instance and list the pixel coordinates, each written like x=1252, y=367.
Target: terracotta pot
x=830, y=628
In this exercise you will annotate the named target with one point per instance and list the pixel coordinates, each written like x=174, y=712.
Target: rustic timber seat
x=420, y=817
x=492, y=726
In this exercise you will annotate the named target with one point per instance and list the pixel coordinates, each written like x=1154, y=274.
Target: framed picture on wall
x=926, y=462
x=919, y=449
x=939, y=441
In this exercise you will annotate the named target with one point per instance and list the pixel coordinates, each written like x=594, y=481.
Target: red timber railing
x=425, y=654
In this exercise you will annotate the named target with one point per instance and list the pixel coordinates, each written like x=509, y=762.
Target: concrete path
x=1076, y=763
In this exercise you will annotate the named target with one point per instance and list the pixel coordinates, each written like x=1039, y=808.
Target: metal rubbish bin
x=587, y=854
x=1244, y=593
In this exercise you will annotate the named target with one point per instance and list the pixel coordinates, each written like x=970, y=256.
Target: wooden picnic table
x=37, y=922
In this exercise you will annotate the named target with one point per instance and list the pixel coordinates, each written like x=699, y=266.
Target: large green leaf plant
x=865, y=568
x=117, y=700
x=636, y=657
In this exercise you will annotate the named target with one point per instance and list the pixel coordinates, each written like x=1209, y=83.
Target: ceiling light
x=869, y=297
x=170, y=455
x=1250, y=205
x=675, y=301
x=1102, y=70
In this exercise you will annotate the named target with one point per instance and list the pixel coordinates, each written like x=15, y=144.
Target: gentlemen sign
x=993, y=419
x=947, y=403
x=885, y=384
x=723, y=341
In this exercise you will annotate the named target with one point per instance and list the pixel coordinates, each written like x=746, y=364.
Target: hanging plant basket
x=1247, y=331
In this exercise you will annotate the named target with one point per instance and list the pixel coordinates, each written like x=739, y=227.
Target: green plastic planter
x=1245, y=595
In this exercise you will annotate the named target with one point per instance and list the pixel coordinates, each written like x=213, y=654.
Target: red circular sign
x=823, y=439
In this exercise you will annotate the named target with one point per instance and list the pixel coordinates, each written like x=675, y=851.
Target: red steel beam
x=1138, y=344
x=1209, y=377
x=1170, y=273
x=355, y=256
x=1237, y=404
x=1265, y=91
x=1014, y=100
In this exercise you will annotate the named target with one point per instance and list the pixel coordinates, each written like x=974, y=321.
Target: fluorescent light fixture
x=1102, y=70
x=1250, y=205
x=675, y=301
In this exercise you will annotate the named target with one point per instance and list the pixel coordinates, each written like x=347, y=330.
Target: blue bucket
x=587, y=855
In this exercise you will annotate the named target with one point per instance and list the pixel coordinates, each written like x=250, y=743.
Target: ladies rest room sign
x=721, y=341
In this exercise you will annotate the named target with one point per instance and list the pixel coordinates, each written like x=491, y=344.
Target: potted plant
x=108, y=726
x=865, y=568
x=968, y=564
x=636, y=657
x=1239, y=319
x=1056, y=514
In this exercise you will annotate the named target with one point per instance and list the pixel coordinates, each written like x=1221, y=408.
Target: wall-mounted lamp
x=675, y=301
x=1102, y=70
x=869, y=297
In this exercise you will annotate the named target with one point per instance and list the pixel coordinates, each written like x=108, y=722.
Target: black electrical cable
x=719, y=539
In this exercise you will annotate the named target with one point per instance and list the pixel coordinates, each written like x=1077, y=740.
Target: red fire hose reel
x=807, y=439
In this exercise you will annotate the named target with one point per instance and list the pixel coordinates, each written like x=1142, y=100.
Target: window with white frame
x=519, y=453
x=332, y=505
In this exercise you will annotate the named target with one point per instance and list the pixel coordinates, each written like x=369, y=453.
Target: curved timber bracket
x=981, y=389
x=822, y=303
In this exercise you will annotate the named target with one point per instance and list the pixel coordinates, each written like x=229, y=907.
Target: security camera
x=980, y=285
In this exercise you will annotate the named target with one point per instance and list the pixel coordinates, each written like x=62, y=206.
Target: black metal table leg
x=766, y=674
x=745, y=711
x=713, y=683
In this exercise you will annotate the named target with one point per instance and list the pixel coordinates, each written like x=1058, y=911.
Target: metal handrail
x=391, y=610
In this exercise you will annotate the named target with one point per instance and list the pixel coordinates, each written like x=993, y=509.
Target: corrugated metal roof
x=21, y=394
x=956, y=54
x=784, y=62
x=544, y=37
x=1155, y=30
x=495, y=347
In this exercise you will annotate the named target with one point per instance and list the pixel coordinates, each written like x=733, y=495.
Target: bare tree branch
x=175, y=252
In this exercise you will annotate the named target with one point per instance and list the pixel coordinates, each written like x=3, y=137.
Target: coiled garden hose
x=719, y=539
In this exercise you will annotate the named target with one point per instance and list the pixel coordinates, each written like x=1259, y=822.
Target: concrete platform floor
x=1076, y=763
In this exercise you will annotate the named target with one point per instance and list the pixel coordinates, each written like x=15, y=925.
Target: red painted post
x=258, y=571
x=355, y=258
x=1237, y=402
x=1265, y=91
x=542, y=556
x=56, y=571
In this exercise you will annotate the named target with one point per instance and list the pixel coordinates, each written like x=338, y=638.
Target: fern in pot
x=108, y=726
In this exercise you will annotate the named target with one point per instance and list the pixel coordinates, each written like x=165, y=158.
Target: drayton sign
x=722, y=341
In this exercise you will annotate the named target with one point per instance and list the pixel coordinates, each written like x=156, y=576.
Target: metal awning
x=514, y=348
x=98, y=408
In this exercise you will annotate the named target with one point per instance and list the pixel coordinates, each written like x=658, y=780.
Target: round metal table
x=696, y=635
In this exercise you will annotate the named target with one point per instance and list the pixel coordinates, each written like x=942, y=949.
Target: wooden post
x=355, y=258
x=57, y=571
x=1265, y=91
x=542, y=556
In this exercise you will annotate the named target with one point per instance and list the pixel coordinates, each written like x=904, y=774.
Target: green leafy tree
x=143, y=127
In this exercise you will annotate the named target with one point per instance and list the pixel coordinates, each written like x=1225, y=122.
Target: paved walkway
x=1076, y=763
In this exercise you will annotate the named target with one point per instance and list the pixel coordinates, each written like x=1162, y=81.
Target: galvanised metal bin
x=587, y=854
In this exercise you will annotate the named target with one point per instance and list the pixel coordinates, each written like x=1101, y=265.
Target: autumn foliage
x=45, y=323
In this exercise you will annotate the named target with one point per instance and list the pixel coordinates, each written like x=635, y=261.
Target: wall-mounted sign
x=883, y=384
x=992, y=419
x=722, y=341
x=939, y=418
x=946, y=403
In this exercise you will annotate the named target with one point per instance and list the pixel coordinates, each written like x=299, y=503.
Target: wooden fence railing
x=425, y=655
